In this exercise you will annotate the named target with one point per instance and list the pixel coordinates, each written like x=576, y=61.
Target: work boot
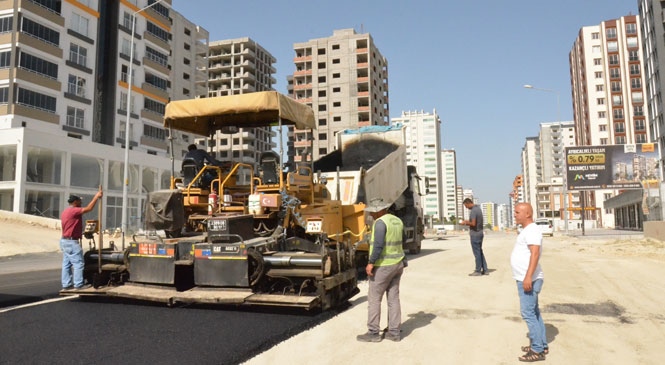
x=393, y=338
x=369, y=337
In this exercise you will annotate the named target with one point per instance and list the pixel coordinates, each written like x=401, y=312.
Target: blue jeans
x=531, y=315
x=72, y=257
x=477, y=247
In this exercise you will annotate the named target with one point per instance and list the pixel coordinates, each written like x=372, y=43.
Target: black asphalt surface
x=116, y=331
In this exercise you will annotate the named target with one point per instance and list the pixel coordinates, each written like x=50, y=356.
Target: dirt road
x=602, y=302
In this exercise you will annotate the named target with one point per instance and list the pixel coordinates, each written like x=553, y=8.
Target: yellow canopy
x=260, y=109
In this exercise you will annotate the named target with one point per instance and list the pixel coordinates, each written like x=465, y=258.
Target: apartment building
x=423, y=150
x=467, y=194
x=653, y=45
x=608, y=96
x=240, y=66
x=344, y=78
x=449, y=202
x=490, y=218
x=531, y=173
x=65, y=101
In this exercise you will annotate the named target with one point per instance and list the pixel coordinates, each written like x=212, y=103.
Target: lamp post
x=128, y=111
x=565, y=172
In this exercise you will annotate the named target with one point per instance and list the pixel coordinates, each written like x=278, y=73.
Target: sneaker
x=369, y=337
x=476, y=273
x=393, y=338
x=82, y=287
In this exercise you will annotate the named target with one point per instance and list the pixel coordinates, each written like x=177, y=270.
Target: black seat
x=269, y=167
x=189, y=171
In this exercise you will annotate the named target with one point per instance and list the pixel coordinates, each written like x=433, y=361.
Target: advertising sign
x=611, y=166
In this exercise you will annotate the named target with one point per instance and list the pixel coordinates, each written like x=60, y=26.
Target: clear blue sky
x=468, y=60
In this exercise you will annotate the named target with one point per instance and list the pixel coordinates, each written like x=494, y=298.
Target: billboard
x=611, y=166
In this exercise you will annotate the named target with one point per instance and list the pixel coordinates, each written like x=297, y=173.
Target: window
x=337, y=119
x=638, y=110
x=617, y=100
x=322, y=107
x=323, y=136
x=615, y=86
x=154, y=132
x=601, y=115
x=124, y=48
x=154, y=106
x=156, y=56
x=123, y=103
x=36, y=100
x=127, y=20
x=6, y=24
x=633, y=55
x=186, y=46
x=76, y=86
x=322, y=93
x=631, y=28
x=595, y=49
x=603, y=141
x=337, y=89
x=631, y=42
x=321, y=51
x=79, y=24
x=38, y=65
x=335, y=61
x=323, y=121
x=78, y=54
x=322, y=79
x=602, y=128
x=640, y=125
x=634, y=69
x=5, y=59
x=321, y=65
x=157, y=32
x=600, y=101
x=618, y=114
x=4, y=95
x=597, y=61
x=611, y=33
x=323, y=151
x=188, y=32
x=41, y=32
x=75, y=117
x=336, y=75
x=598, y=74
x=612, y=46
x=52, y=5
x=595, y=35
x=636, y=83
x=615, y=73
x=641, y=138
x=335, y=46
x=600, y=87
x=614, y=59
x=157, y=82
x=637, y=97
x=620, y=140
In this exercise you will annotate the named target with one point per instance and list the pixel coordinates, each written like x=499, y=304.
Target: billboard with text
x=611, y=166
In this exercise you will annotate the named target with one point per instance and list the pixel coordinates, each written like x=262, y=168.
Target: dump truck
x=250, y=235
x=370, y=162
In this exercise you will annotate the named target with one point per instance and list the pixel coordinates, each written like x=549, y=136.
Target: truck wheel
x=416, y=250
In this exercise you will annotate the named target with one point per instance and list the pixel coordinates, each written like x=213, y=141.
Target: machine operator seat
x=189, y=171
x=269, y=167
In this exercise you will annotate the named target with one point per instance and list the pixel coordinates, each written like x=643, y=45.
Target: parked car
x=545, y=226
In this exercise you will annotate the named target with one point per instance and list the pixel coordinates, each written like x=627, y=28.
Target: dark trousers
x=477, y=247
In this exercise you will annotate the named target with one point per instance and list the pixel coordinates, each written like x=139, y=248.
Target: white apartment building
x=608, y=96
x=423, y=150
x=553, y=201
x=240, y=66
x=64, y=81
x=449, y=183
x=467, y=194
x=653, y=47
x=503, y=213
x=344, y=78
x=531, y=173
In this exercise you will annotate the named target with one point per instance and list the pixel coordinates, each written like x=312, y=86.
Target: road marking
x=47, y=301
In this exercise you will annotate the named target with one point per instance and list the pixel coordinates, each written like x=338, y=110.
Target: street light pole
x=565, y=172
x=128, y=111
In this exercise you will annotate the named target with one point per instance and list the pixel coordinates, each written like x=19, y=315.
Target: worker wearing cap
x=72, y=229
x=384, y=270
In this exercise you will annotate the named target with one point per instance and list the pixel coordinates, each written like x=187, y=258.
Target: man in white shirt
x=525, y=263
